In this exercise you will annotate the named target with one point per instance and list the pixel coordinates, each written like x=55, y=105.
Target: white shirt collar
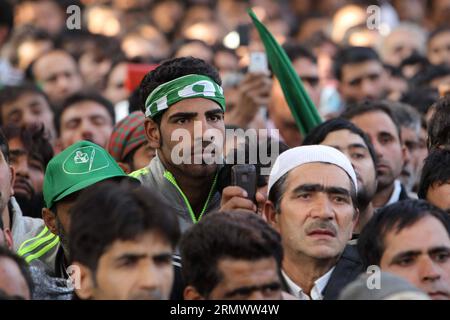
x=316, y=291
x=396, y=193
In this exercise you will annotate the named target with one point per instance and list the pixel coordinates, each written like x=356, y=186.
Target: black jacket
x=347, y=269
x=403, y=194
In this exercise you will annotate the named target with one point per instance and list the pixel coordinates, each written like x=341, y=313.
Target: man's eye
x=385, y=139
x=340, y=199
x=36, y=166
x=162, y=260
x=405, y=262
x=72, y=124
x=182, y=121
x=129, y=262
x=442, y=257
x=99, y=121
x=271, y=288
x=304, y=196
x=215, y=118
x=36, y=112
x=357, y=156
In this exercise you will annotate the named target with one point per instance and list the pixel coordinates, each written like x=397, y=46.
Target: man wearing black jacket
x=377, y=120
x=312, y=204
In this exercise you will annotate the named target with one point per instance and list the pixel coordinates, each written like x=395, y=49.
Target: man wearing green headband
x=184, y=95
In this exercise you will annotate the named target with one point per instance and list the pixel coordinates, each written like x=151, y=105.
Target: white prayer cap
x=295, y=157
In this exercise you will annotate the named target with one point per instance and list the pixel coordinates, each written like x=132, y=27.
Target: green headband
x=185, y=87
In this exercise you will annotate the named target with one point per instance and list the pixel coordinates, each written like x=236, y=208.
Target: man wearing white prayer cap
x=312, y=204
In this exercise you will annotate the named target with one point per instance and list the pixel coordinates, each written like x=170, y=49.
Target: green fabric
x=185, y=87
x=302, y=108
x=77, y=167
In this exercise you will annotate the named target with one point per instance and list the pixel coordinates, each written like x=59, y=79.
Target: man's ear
x=355, y=221
x=405, y=152
x=13, y=179
x=85, y=290
x=152, y=133
x=58, y=146
x=190, y=293
x=271, y=214
x=8, y=238
x=50, y=220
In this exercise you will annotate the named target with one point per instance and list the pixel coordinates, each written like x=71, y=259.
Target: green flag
x=302, y=108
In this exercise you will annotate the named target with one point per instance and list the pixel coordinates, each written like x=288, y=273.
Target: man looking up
x=312, y=204
x=184, y=105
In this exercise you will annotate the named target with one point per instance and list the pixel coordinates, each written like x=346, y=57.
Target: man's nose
x=322, y=208
x=149, y=276
x=428, y=270
x=367, y=88
x=87, y=130
x=21, y=167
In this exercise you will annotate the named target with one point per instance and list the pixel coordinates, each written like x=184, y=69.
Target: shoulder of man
x=404, y=195
x=40, y=249
x=178, y=282
x=23, y=227
x=47, y=287
x=347, y=269
x=140, y=173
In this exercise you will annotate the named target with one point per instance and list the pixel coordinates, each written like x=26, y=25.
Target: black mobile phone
x=244, y=176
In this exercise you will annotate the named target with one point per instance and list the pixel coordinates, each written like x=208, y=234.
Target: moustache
x=24, y=182
x=154, y=294
x=321, y=225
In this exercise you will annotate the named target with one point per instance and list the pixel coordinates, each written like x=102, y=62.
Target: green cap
x=77, y=167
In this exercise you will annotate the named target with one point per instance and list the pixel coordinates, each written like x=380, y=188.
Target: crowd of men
x=113, y=179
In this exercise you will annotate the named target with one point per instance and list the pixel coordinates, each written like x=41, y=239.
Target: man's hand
x=235, y=198
x=254, y=92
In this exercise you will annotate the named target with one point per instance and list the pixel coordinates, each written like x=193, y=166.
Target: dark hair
x=415, y=59
x=9, y=94
x=406, y=116
x=1, y=224
x=352, y=55
x=428, y=74
x=439, y=125
x=82, y=97
x=421, y=98
x=4, y=147
x=277, y=191
x=172, y=69
x=394, y=217
x=34, y=140
x=296, y=51
x=373, y=106
x=437, y=32
x=5, y=253
x=436, y=169
x=6, y=14
x=393, y=71
x=221, y=235
x=107, y=212
x=319, y=134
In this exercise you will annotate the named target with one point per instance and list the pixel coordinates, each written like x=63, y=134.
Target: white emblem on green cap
x=85, y=160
